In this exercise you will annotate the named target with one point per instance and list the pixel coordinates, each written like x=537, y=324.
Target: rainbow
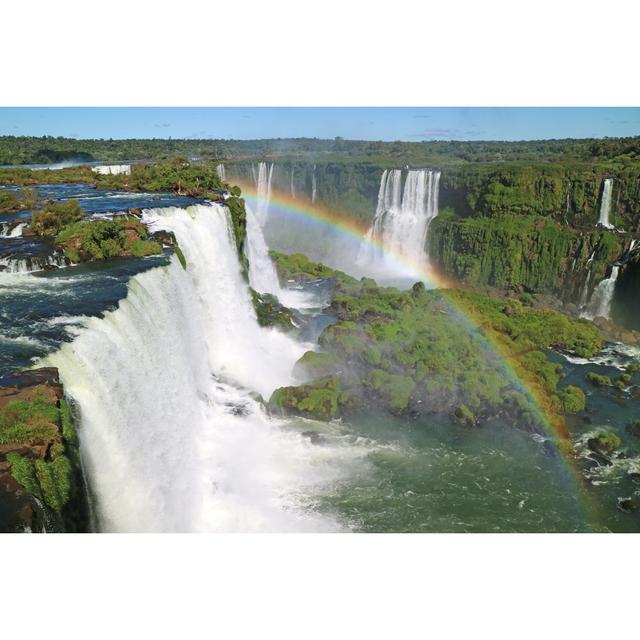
x=320, y=215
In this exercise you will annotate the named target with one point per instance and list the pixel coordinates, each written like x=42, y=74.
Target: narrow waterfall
x=584, y=294
x=602, y=297
x=402, y=217
x=221, y=172
x=605, y=204
x=262, y=179
x=262, y=272
x=172, y=437
x=314, y=185
x=263, y=276
x=293, y=188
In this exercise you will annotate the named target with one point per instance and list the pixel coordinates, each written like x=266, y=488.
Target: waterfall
x=314, y=185
x=602, y=297
x=584, y=294
x=402, y=217
x=262, y=179
x=30, y=264
x=605, y=204
x=293, y=188
x=112, y=169
x=262, y=272
x=172, y=437
x=220, y=170
x=9, y=230
x=263, y=276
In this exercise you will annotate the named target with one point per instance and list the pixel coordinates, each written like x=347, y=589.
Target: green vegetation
x=270, y=312
x=11, y=201
x=451, y=351
x=298, y=267
x=55, y=216
x=29, y=421
x=572, y=399
x=239, y=225
x=41, y=446
x=23, y=150
x=605, y=442
x=520, y=251
x=598, y=380
x=317, y=400
x=101, y=239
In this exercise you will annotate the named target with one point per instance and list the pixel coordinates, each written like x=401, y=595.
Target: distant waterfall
x=402, y=217
x=220, y=170
x=262, y=179
x=602, y=297
x=584, y=294
x=171, y=435
x=314, y=185
x=293, y=187
x=605, y=204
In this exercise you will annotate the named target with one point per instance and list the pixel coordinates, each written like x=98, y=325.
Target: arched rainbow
x=553, y=424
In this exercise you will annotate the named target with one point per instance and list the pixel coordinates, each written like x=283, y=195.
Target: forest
x=49, y=149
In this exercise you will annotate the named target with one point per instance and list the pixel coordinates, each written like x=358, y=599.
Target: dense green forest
x=47, y=149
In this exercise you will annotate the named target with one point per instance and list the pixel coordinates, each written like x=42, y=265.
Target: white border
x=333, y=52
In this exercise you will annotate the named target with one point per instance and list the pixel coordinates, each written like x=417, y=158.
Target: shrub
x=54, y=216
x=598, y=380
x=572, y=399
x=102, y=239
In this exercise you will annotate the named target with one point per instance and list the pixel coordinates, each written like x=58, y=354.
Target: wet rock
x=634, y=428
x=626, y=505
x=599, y=459
x=314, y=437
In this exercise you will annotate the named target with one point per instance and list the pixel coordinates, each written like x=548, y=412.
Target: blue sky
x=365, y=123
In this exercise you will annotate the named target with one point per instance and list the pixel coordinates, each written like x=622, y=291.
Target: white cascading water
x=585, y=287
x=262, y=180
x=314, y=185
x=112, y=169
x=600, y=304
x=263, y=276
x=262, y=272
x=402, y=218
x=32, y=264
x=8, y=231
x=293, y=188
x=171, y=436
x=605, y=204
x=220, y=170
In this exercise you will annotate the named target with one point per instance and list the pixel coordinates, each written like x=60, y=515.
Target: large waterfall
x=402, y=218
x=262, y=180
x=221, y=172
x=602, y=297
x=605, y=204
x=172, y=436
